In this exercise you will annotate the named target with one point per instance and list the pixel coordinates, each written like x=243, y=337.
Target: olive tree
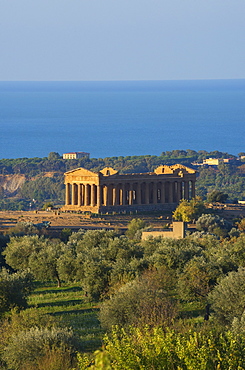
x=14, y=289
x=134, y=228
x=211, y=223
x=92, y=256
x=147, y=300
x=217, y=196
x=29, y=347
x=228, y=297
x=38, y=254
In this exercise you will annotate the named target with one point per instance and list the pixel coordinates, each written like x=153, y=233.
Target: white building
x=75, y=155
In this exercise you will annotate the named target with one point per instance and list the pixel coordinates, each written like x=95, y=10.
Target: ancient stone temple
x=109, y=191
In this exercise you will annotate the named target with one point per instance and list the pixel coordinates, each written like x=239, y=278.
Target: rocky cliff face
x=11, y=183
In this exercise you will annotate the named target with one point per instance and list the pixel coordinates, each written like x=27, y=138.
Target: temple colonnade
x=84, y=194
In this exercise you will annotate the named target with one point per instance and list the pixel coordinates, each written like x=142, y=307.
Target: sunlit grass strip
x=69, y=304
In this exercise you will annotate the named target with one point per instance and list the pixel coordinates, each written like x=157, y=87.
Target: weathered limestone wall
x=177, y=232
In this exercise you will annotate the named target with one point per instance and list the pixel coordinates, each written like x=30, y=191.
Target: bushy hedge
x=158, y=349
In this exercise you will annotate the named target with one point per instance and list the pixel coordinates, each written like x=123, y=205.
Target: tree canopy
x=189, y=210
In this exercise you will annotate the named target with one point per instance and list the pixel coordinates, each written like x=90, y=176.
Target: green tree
x=53, y=156
x=217, y=196
x=38, y=254
x=211, y=223
x=19, y=250
x=134, y=226
x=30, y=346
x=196, y=280
x=189, y=210
x=147, y=300
x=228, y=297
x=241, y=225
x=92, y=256
x=23, y=228
x=175, y=253
x=44, y=263
x=14, y=289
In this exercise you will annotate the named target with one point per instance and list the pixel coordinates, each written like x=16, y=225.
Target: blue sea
x=121, y=118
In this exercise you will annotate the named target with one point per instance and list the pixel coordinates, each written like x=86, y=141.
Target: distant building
x=177, y=231
x=214, y=161
x=230, y=160
x=211, y=161
x=75, y=155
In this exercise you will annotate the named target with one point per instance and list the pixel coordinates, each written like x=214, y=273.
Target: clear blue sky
x=122, y=39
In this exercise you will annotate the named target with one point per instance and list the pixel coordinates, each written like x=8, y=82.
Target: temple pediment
x=80, y=172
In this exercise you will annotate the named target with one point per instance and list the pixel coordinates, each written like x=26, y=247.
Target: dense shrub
x=14, y=289
x=30, y=346
x=145, y=300
x=228, y=297
x=210, y=223
x=134, y=228
x=157, y=349
x=23, y=228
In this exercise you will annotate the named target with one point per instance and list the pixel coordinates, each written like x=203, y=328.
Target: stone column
x=83, y=195
x=138, y=194
x=147, y=200
x=163, y=193
x=86, y=195
x=114, y=194
x=119, y=195
x=92, y=196
x=130, y=199
x=68, y=194
x=123, y=194
x=186, y=190
x=171, y=192
x=79, y=195
x=73, y=194
x=179, y=191
x=109, y=195
x=154, y=192
x=98, y=195
x=193, y=190
x=105, y=195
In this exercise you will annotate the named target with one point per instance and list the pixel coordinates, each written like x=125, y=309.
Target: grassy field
x=69, y=304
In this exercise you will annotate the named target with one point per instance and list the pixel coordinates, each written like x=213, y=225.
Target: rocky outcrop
x=10, y=184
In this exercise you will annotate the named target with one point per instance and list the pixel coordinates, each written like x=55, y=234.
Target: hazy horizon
x=121, y=40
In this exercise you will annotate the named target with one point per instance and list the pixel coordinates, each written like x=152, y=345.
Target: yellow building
x=211, y=161
x=109, y=191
